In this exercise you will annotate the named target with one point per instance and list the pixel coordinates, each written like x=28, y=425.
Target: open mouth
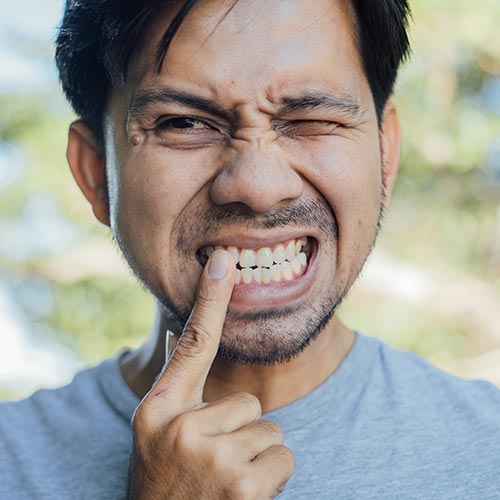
x=285, y=261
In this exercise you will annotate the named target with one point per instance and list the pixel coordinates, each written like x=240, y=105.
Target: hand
x=187, y=449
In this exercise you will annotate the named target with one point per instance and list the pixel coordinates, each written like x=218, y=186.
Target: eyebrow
x=144, y=99
x=322, y=102
x=308, y=102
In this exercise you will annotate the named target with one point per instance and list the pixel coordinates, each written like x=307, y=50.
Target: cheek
x=151, y=196
x=348, y=176
x=152, y=191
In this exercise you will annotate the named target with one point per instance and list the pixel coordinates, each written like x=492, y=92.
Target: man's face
x=258, y=133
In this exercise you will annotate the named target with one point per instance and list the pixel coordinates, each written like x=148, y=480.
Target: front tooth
x=209, y=251
x=279, y=254
x=298, y=246
x=286, y=271
x=237, y=280
x=246, y=275
x=234, y=252
x=290, y=251
x=266, y=275
x=276, y=272
x=257, y=275
x=302, y=257
x=265, y=257
x=296, y=265
x=247, y=258
x=219, y=247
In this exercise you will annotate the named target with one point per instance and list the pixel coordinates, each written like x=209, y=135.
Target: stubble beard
x=276, y=335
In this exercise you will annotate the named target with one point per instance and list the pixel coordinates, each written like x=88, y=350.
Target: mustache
x=308, y=214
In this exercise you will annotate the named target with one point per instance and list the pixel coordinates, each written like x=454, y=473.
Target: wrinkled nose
x=257, y=176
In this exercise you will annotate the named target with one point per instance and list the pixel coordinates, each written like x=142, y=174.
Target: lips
x=266, y=265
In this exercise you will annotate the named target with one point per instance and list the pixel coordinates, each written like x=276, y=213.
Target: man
x=242, y=153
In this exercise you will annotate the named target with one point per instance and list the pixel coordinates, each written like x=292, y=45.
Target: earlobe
x=88, y=166
x=391, y=148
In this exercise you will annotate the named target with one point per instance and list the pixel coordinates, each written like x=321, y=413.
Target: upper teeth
x=264, y=257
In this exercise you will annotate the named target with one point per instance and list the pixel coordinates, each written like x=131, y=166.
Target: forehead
x=254, y=49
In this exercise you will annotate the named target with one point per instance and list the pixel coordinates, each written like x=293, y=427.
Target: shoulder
x=52, y=441
x=70, y=397
x=405, y=368
x=426, y=419
x=58, y=414
x=408, y=381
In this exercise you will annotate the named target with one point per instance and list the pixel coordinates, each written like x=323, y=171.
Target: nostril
x=259, y=180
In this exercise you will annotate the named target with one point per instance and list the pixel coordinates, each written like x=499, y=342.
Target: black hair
x=97, y=39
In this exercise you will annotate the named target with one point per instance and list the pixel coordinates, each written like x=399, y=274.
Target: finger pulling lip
x=269, y=276
x=264, y=260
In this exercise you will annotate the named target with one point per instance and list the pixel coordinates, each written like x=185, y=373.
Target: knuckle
x=195, y=339
x=206, y=298
x=280, y=488
x=287, y=456
x=141, y=420
x=271, y=427
x=220, y=454
x=139, y=416
x=248, y=400
x=182, y=433
x=245, y=488
x=145, y=437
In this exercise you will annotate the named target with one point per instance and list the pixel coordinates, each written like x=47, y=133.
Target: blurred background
x=432, y=285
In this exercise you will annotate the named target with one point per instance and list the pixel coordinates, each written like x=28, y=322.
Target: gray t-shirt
x=385, y=425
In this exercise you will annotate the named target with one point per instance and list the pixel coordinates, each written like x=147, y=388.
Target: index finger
x=183, y=379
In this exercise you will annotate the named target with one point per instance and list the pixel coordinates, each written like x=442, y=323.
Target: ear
x=390, y=143
x=88, y=166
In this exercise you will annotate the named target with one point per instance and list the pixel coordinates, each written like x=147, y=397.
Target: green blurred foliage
x=102, y=315
x=444, y=214
x=455, y=52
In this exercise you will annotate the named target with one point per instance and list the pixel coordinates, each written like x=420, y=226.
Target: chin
x=275, y=336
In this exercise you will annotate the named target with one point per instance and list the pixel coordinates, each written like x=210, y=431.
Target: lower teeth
x=276, y=273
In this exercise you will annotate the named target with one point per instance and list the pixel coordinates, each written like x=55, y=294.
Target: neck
x=275, y=386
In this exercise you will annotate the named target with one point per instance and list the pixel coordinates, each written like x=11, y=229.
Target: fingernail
x=218, y=265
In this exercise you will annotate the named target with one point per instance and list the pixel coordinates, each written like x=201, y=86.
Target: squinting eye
x=181, y=123
x=308, y=128
x=186, y=132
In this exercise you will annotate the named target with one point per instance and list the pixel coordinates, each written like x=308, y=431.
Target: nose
x=258, y=176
